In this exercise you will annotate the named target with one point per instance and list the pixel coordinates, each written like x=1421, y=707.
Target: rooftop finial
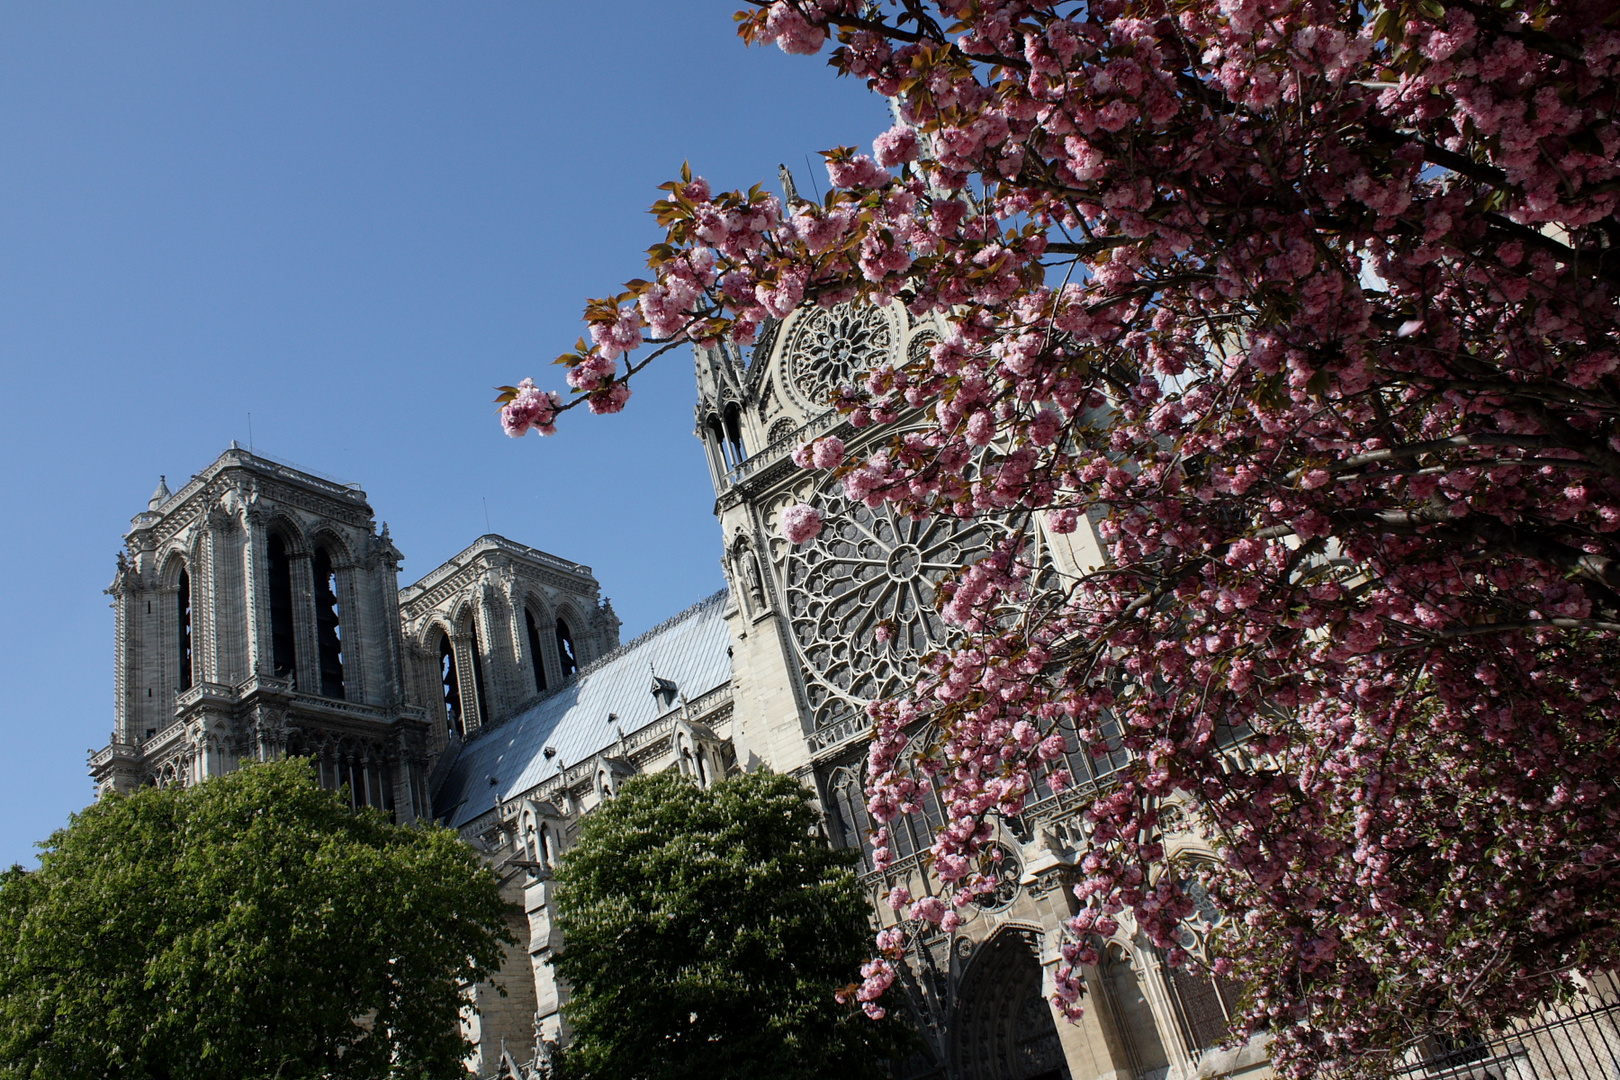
x=161, y=495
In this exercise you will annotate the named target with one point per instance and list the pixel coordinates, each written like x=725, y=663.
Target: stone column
x=520, y=676
x=353, y=628
x=393, y=636
x=550, y=993
x=461, y=649
x=256, y=591
x=201, y=573
x=123, y=709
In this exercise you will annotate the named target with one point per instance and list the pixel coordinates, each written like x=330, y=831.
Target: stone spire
x=161, y=495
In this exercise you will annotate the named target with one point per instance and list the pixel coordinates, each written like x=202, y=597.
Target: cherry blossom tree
x=1310, y=307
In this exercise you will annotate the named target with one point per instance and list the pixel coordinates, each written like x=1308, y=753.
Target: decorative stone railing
x=779, y=449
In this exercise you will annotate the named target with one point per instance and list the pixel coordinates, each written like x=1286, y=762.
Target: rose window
x=860, y=598
x=829, y=347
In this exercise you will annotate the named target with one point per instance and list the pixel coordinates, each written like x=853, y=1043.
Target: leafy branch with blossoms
x=1310, y=306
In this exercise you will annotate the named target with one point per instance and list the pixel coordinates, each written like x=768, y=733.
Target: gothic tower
x=256, y=616
x=495, y=629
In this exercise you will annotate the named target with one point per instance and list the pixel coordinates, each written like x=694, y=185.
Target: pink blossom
x=610, y=400
x=791, y=31
x=828, y=452
x=859, y=171
x=619, y=336
x=530, y=408
x=800, y=522
x=896, y=146
x=1342, y=416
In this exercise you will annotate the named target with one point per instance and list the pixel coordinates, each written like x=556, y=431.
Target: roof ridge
x=645, y=636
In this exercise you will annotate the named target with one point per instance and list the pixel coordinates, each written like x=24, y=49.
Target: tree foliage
x=1310, y=306
x=251, y=926
x=707, y=933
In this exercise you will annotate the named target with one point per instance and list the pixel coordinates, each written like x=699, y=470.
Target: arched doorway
x=1003, y=1028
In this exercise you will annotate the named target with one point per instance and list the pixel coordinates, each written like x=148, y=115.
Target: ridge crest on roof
x=645, y=636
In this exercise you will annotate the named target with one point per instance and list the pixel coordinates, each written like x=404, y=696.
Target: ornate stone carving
x=829, y=346
x=917, y=350
x=870, y=573
x=1007, y=871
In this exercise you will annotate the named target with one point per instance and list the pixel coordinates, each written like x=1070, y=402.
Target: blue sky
x=351, y=220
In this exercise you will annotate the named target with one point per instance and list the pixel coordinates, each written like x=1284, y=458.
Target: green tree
x=251, y=926
x=706, y=933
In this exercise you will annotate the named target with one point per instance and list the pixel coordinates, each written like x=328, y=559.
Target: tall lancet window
x=452, y=687
x=283, y=653
x=478, y=672
x=184, y=598
x=566, y=657
x=534, y=650
x=734, y=439
x=328, y=628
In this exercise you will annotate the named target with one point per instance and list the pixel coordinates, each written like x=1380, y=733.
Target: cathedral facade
x=259, y=614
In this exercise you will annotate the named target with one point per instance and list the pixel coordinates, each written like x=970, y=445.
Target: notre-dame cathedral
x=258, y=614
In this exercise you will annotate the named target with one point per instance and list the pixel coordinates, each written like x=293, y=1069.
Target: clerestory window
x=567, y=658
x=478, y=671
x=452, y=687
x=734, y=439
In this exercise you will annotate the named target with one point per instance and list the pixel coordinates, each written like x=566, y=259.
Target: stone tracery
x=860, y=598
x=829, y=346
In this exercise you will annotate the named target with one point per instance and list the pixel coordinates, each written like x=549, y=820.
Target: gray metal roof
x=692, y=650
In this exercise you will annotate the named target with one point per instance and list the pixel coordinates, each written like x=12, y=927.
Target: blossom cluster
x=1311, y=307
x=530, y=408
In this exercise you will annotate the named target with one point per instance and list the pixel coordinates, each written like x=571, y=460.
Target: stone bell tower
x=256, y=616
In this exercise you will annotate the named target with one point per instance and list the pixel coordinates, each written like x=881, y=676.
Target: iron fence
x=1577, y=1040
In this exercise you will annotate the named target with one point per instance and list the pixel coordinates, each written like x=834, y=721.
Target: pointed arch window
x=567, y=658
x=849, y=807
x=1205, y=1003
x=716, y=439
x=734, y=439
x=478, y=670
x=908, y=833
x=183, y=598
x=328, y=625
x=452, y=687
x=283, y=650
x=538, y=661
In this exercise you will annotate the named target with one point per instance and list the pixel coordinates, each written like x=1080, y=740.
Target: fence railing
x=1577, y=1040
